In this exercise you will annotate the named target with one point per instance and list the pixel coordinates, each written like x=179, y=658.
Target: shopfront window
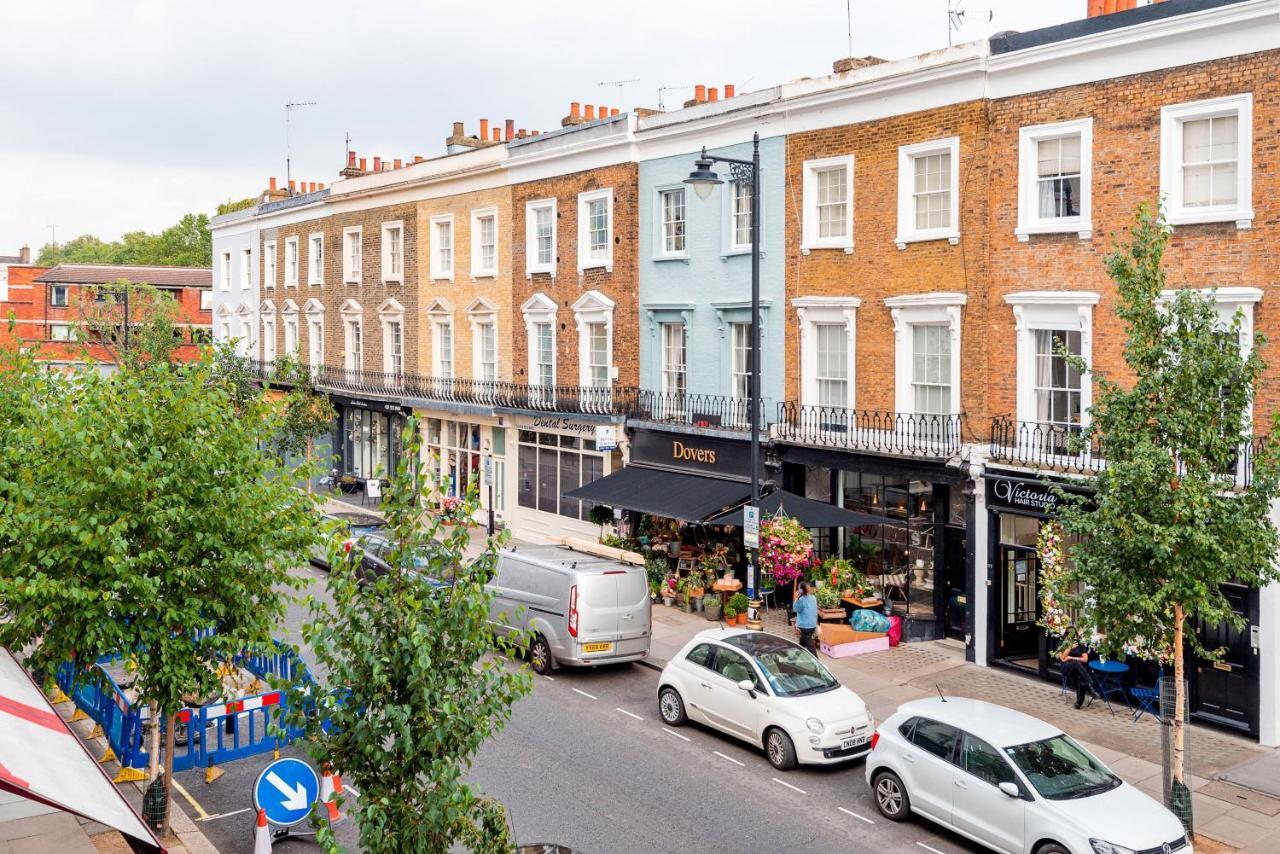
x=551, y=465
x=898, y=555
x=453, y=449
x=372, y=442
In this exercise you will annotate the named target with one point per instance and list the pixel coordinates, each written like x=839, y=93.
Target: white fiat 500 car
x=767, y=691
x=1011, y=782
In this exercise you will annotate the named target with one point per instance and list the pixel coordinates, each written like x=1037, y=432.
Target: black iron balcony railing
x=698, y=410
x=1060, y=448
x=586, y=400
x=902, y=433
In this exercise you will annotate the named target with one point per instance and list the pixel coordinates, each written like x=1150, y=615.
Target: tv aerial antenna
x=288, y=136
x=618, y=83
x=664, y=89
x=955, y=19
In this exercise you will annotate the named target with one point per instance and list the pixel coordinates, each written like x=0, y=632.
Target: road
x=586, y=762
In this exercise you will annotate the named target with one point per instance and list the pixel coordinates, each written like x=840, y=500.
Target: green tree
x=1168, y=525
x=306, y=414
x=417, y=686
x=138, y=509
x=131, y=321
x=186, y=243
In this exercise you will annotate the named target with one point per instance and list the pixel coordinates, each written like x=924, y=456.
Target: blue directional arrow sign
x=285, y=790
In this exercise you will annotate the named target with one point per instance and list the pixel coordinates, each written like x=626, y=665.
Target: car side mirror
x=1011, y=789
x=748, y=686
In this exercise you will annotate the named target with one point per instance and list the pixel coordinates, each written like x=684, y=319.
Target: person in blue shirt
x=806, y=607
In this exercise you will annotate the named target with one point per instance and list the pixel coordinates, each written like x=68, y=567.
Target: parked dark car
x=354, y=524
x=376, y=548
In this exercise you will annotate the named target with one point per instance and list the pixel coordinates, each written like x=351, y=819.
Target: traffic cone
x=337, y=792
x=262, y=835
x=327, y=795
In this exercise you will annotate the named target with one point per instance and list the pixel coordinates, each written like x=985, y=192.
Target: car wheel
x=780, y=750
x=891, y=796
x=540, y=655
x=1052, y=848
x=671, y=707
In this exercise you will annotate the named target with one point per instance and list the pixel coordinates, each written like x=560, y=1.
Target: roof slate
x=104, y=274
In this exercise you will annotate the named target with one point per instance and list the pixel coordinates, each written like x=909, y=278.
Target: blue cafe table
x=1108, y=676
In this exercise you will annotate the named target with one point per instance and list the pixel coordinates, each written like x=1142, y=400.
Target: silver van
x=581, y=609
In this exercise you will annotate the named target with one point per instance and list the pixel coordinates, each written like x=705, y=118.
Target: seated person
x=1075, y=666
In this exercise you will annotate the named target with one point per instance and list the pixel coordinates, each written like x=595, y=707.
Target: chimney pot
x=291, y=187
x=495, y=135
x=522, y=133
x=351, y=158
x=613, y=111
x=602, y=112
x=417, y=158
x=484, y=129
x=271, y=184
x=313, y=187
x=575, y=109
x=589, y=112
x=24, y=254
x=700, y=93
x=457, y=129
x=536, y=132
x=364, y=164
x=397, y=162
x=729, y=91
x=320, y=186
x=377, y=164
x=713, y=94
x=510, y=132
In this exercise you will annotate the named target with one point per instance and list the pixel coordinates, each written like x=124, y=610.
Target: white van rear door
x=597, y=606
x=633, y=606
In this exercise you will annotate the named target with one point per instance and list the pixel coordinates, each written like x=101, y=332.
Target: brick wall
x=1126, y=170
x=877, y=268
x=463, y=290
x=620, y=285
x=371, y=293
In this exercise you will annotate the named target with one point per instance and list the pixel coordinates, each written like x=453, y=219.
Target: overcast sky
x=117, y=115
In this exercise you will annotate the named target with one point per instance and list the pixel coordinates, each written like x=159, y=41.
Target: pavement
x=1234, y=816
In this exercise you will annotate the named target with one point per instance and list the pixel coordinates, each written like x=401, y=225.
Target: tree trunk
x=153, y=766
x=170, y=722
x=1179, y=696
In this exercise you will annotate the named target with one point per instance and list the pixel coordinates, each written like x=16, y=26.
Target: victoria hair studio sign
x=1022, y=496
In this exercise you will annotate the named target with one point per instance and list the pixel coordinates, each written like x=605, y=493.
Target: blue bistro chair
x=1147, y=699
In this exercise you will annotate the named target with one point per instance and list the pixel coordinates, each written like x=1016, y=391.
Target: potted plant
x=828, y=597
x=730, y=615
x=601, y=515
x=739, y=603
x=711, y=607
x=682, y=591
x=654, y=587
x=669, y=591
x=696, y=587
x=714, y=560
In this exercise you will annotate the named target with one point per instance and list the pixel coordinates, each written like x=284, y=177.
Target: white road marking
x=548, y=678
x=855, y=815
x=628, y=714
x=730, y=758
x=789, y=786
x=585, y=694
x=676, y=734
x=225, y=814
x=928, y=848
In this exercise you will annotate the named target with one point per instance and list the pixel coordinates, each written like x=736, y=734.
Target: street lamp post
x=703, y=181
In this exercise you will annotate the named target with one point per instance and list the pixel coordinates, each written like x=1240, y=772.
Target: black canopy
x=810, y=513
x=686, y=497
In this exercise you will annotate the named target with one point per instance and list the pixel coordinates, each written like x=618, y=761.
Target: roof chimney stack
x=713, y=94
x=589, y=113
x=377, y=164
x=699, y=96
x=397, y=163
x=729, y=91
x=853, y=63
x=24, y=254
x=1108, y=7
x=352, y=170
x=575, y=115
x=510, y=132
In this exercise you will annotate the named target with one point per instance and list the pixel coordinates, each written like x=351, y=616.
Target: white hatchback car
x=767, y=691
x=1011, y=782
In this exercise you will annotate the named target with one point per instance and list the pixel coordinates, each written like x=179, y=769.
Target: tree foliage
x=417, y=688
x=1169, y=523
x=133, y=322
x=186, y=243
x=136, y=510
x=306, y=413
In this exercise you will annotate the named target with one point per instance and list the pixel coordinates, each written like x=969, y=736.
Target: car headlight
x=814, y=725
x=1101, y=847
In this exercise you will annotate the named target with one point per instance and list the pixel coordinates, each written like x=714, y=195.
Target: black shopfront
x=368, y=437
x=918, y=555
x=1223, y=692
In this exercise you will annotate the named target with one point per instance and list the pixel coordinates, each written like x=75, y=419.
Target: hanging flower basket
x=786, y=548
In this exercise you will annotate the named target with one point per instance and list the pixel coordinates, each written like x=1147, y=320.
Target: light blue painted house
x=695, y=287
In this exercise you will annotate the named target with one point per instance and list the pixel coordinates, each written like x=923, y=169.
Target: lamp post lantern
x=704, y=180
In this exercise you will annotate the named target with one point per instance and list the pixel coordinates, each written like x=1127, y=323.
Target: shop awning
x=42, y=760
x=810, y=513
x=687, y=497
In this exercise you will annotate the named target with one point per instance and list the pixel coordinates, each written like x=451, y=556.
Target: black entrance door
x=1019, y=605
x=955, y=622
x=1226, y=691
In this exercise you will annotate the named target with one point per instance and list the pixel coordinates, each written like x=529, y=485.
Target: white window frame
x=351, y=273
x=539, y=308
x=315, y=271
x=226, y=271
x=810, y=312
x=246, y=268
x=387, y=276
x=585, y=261
x=352, y=357
x=291, y=336
x=1171, y=120
x=1029, y=220
x=810, y=238
x=590, y=308
x=66, y=333
x=314, y=310
x=206, y=300
x=441, y=323
x=660, y=252
x=729, y=235
x=531, y=264
x=389, y=313
x=478, y=270
x=291, y=271
x=1068, y=311
x=663, y=365
x=438, y=270
x=907, y=154
x=483, y=314
x=935, y=309
x=269, y=262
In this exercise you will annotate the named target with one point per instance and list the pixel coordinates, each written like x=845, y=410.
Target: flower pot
x=668, y=601
x=742, y=620
x=697, y=602
x=711, y=608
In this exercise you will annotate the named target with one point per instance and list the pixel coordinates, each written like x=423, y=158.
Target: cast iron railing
x=1056, y=447
x=698, y=410
x=907, y=434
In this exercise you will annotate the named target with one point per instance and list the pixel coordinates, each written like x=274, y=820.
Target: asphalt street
x=586, y=762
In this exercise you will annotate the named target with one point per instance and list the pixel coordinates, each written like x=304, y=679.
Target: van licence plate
x=597, y=647
x=853, y=742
